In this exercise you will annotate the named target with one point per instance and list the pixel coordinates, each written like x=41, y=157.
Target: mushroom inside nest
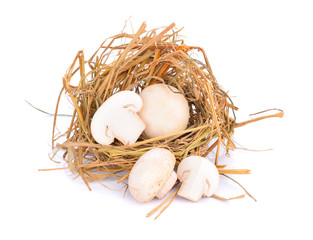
x=117, y=118
x=152, y=175
x=199, y=177
x=165, y=110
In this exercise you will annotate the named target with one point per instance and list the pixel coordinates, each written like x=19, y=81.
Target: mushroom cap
x=150, y=173
x=165, y=110
x=199, y=177
x=117, y=118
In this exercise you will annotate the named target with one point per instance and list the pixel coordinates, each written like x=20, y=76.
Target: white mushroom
x=199, y=178
x=117, y=118
x=165, y=110
x=152, y=175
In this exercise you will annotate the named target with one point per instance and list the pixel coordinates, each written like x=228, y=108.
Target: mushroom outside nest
x=117, y=118
x=199, y=177
x=152, y=175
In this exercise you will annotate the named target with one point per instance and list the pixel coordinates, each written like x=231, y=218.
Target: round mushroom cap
x=165, y=110
x=150, y=173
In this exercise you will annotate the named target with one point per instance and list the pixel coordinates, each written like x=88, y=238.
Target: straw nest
x=133, y=62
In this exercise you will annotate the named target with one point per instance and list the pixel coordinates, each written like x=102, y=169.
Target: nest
x=133, y=62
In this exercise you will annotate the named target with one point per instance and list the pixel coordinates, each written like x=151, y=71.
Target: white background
x=260, y=51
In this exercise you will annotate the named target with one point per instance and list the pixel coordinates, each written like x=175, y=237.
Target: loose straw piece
x=124, y=177
x=234, y=171
x=172, y=196
x=279, y=115
x=239, y=185
x=226, y=199
x=52, y=169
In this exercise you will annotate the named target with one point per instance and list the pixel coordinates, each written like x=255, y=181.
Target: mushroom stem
x=168, y=186
x=193, y=187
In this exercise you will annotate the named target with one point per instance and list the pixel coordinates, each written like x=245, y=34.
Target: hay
x=133, y=62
